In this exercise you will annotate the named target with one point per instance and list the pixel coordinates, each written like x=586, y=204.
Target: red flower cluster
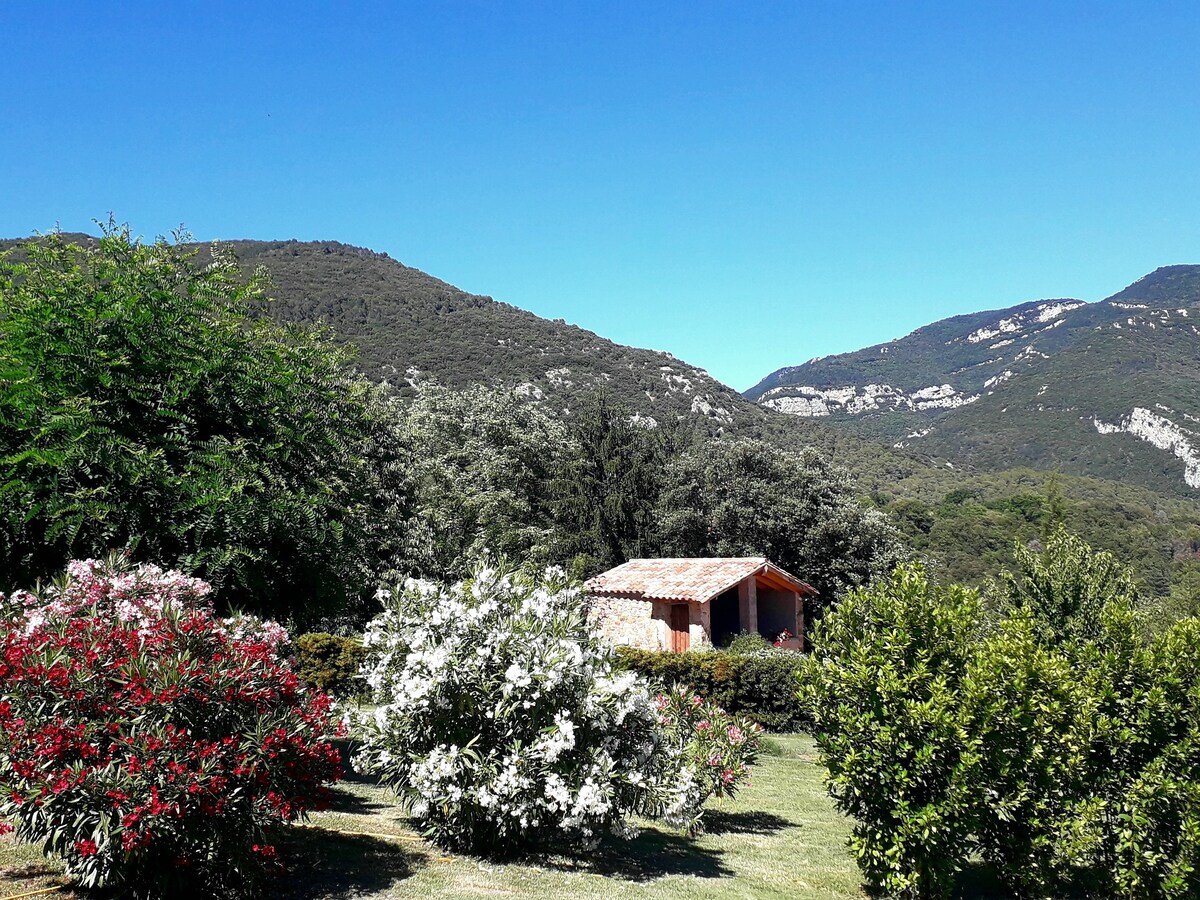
x=138, y=748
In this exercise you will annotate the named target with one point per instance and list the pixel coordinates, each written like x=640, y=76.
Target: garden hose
x=37, y=893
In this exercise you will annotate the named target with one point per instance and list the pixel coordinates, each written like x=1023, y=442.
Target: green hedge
x=330, y=663
x=760, y=685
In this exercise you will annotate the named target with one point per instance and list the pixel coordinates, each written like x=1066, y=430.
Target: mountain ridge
x=1105, y=388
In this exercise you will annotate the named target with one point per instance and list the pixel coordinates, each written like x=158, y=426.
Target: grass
x=780, y=838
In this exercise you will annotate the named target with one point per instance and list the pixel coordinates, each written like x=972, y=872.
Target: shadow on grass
x=979, y=881
x=28, y=872
x=325, y=863
x=652, y=855
x=349, y=803
x=717, y=821
x=346, y=749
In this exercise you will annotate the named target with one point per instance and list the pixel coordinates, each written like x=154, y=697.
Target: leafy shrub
x=717, y=749
x=1141, y=828
x=1056, y=740
x=882, y=687
x=146, y=743
x=502, y=723
x=330, y=663
x=1134, y=819
x=1025, y=714
x=760, y=686
x=749, y=642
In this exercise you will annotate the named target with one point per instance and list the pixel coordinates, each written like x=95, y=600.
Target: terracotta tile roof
x=697, y=580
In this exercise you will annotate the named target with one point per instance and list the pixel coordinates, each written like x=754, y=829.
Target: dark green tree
x=744, y=497
x=146, y=403
x=608, y=488
x=1055, y=507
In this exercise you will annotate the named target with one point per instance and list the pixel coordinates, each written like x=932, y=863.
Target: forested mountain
x=1108, y=389
x=408, y=326
x=964, y=516
x=980, y=478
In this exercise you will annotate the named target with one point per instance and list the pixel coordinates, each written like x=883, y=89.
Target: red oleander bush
x=148, y=744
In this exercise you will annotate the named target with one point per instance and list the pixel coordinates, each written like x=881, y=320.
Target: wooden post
x=748, y=606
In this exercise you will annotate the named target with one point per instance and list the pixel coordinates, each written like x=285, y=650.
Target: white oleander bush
x=502, y=723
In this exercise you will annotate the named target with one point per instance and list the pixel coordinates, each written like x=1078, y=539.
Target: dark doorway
x=726, y=618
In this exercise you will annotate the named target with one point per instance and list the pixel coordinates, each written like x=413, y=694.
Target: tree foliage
x=881, y=686
x=607, y=489
x=148, y=404
x=1065, y=588
x=744, y=497
x=483, y=461
x=1057, y=740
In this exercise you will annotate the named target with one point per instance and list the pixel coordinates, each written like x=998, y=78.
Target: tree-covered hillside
x=401, y=318
x=408, y=327
x=963, y=514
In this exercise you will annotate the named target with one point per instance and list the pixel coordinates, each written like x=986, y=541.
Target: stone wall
x=646, y=624
x=700, y=626
x=634, y=623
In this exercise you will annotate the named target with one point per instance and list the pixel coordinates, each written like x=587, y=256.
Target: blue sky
x=744, y=184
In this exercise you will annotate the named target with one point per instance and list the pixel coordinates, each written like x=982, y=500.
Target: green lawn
x=780, y=838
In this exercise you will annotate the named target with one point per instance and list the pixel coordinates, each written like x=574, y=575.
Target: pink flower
x=735, y=734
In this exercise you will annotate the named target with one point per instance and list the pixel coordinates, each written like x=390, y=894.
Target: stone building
x=677, y=604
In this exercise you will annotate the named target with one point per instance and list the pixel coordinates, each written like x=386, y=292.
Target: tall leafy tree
x=608, y=488
x=483, y=460
x=1065, y=587
x=145, y=403
x=746, y=497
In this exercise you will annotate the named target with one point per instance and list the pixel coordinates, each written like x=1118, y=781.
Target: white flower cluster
x=500, y=720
